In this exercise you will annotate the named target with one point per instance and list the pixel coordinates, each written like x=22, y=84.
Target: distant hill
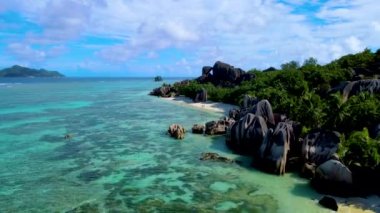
x=19, y=71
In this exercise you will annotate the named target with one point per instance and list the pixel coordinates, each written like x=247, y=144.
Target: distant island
x=19, y=71
x=158, y=78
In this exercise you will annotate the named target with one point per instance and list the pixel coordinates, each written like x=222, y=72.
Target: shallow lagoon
x=120, y=158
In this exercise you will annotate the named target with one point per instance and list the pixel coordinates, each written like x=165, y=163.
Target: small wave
x=9, y=84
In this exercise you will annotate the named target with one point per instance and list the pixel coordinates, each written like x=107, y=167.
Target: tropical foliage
x=302, y=93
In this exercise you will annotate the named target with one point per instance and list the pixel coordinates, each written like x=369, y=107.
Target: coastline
x=346, y=205
x=210, y=106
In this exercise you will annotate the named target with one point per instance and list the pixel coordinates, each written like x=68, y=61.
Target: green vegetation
x=301, y=92
x=19, y=71
x=361, y=150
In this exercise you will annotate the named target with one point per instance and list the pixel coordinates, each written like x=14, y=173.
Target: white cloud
x=376, y=26
x=354, y=44
x=25, y=52
x=248, y=33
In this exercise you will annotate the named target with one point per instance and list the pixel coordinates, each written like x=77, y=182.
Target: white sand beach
x=208, y=106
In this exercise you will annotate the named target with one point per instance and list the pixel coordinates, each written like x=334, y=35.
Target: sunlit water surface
x=120, y=158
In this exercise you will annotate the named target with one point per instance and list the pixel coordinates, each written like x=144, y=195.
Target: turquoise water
x=120, y=158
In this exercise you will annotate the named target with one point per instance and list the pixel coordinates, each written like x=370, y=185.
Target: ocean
x=119, y=157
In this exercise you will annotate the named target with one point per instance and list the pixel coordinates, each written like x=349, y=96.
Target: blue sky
x=177, y=38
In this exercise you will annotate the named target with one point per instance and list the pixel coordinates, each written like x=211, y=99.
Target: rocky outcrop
x=353, y=88
x=249, y=101
x=164, y=91
x=274, y=149
x=176, y=131
x=322, y=165
x=246, y=135
x=333, y=177
x=234, y=114
x=198, y=129
x=218, y=127
x=252, y=105
x=339, y=88
x=224, y=75
x=201, y=96
x=215, y=157
x=334, y=171
x=264, y=109
x=167, y=90
x=319, y=146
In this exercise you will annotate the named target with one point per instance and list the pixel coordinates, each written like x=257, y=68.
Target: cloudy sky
x=178, y=37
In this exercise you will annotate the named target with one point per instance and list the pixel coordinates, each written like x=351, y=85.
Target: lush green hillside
x=313, y=95
x=19, y=71
x=305, y=92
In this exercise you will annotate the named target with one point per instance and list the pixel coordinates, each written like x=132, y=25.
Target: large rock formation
x=321, y=163
x=264, y=109
x=252, y=105
x=274, y=149
x=333, y=177
x=356, y=87
x=334, y=171
x=201, y=96
x=176, y=131
x=319, y=146
x=167, y=90
x=164, y=91
x=249, y=102
x=198, y=129
x=224, y=75
x=246, y=135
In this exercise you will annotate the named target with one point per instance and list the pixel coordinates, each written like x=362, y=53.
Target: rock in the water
x=215, y=157
x=319, y=146
x=176, y=131
x=198, y=129
x=218, y=127
x=164, y=91
x=328, y=202
x=246, y=135
x=274, y=149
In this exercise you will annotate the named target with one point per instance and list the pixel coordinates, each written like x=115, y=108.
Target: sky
x=179, y=37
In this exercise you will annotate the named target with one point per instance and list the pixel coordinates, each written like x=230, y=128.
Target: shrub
x=361, y=150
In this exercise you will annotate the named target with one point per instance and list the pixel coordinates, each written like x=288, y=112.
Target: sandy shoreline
x=208, y=106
